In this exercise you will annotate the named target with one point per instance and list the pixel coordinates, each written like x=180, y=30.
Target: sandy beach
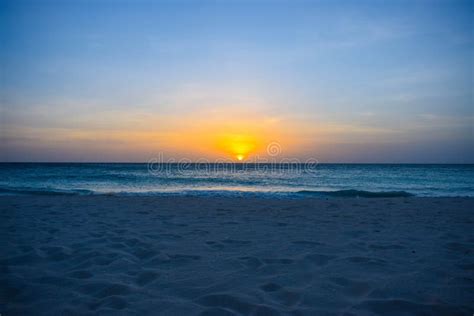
x=68, y=255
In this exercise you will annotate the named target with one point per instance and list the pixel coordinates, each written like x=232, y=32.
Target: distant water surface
x=369, y=180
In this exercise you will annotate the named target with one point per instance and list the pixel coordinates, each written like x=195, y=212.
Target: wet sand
x=236, y=256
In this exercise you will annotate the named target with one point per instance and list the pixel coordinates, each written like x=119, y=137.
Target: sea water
x=369, y=180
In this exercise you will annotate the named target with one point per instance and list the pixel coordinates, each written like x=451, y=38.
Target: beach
x=191, y=255
x=236, y=158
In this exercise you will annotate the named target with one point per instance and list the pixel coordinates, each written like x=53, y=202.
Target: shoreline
x=236, y=255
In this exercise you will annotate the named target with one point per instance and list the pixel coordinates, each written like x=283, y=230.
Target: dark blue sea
x=293, y=180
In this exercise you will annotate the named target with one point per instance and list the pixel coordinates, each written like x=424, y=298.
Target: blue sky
x=341, y=81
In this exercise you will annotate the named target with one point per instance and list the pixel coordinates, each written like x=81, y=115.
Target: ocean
x=267, y=180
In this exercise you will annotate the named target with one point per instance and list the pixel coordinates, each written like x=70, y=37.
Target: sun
x=238, y=145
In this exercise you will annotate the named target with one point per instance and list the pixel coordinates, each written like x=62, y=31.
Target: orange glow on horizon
x=235, y=135
x=238, y=145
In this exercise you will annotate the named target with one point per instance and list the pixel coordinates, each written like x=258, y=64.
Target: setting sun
x=238, y=145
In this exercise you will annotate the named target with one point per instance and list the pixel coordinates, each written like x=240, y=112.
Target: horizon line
x=237, y=163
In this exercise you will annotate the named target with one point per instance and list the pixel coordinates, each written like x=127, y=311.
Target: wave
x=357, y=193
x=42, y=191
x=78, y=192
x=237, y=192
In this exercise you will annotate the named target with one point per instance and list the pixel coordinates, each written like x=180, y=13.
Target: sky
x=336, y=81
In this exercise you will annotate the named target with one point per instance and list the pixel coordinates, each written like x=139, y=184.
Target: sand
x=234, y=256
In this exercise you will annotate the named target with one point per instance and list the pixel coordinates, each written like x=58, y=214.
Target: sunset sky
x=339, y=81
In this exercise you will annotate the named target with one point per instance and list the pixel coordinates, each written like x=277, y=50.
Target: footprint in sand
x=101, y=290
x=227, y=301
x=318, y=259
x=146, y=277
x=80, y=274
x=278, y=261
x=112, y=302
x=251, y=262
x=215, y=245
x=172, y=260
x=228, y=244
x=281, y=295
x=352, y=288
x=403, y=307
